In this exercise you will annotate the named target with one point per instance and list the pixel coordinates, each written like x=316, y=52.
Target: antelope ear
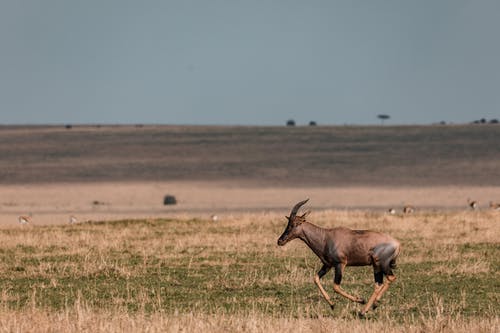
x=305, y=214
x=287, y=217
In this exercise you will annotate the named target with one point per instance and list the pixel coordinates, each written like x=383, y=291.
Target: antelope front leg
x=318, y=276
x=339, y=269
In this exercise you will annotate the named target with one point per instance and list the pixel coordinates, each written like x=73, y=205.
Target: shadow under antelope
x=340, y=247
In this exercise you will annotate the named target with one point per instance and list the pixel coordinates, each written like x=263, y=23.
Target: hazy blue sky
x=248, y=62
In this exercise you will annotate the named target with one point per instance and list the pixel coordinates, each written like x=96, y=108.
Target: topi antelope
x=340, y=247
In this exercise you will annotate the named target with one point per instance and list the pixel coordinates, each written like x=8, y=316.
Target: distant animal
x=473, y=204
x=408, y=209
x=495, y=205
x=72, y=219
x=340, y=247
x=214, y=218
x=391, y=211
x=24, y=219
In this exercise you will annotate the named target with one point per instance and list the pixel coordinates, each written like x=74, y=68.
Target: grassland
x=186, y=273
x=196, y=275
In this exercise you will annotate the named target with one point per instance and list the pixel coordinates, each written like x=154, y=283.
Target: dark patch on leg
x=323, y=271
x=338, y=276
x=379, y=277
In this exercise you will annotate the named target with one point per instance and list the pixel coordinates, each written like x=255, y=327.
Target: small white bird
x=391, y=211
x=72, y=219
x=24, y=219
x=214, y=218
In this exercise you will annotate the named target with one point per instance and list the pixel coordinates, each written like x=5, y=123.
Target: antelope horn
x=295, y=209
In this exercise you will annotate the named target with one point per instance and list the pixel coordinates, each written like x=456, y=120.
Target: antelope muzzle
x=284, y=238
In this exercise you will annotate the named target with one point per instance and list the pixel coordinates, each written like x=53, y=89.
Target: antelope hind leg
x=380, y=289
x=391, y=279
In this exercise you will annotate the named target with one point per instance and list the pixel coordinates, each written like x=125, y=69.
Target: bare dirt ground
x=113, y=172
x=55, y=203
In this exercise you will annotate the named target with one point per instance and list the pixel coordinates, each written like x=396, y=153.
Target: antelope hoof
x=361, y=314
x=361, y=300
x=332, y=306
x=375, y=305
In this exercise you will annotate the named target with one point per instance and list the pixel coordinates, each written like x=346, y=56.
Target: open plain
x=133, y=264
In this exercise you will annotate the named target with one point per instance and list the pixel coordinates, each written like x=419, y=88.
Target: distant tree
x=169, y=200
x=494, y=121
x=483, y=121
x=383, y=117
x=312, y=123
x=290, y=122
x=68, y=126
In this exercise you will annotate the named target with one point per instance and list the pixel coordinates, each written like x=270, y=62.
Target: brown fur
x=340, y=247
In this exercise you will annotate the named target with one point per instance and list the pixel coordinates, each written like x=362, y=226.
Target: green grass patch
x=158, y=266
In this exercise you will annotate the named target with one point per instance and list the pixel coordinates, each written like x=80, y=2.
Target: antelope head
x=292, y=230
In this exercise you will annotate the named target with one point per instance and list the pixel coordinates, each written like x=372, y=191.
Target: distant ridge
x=301, y=155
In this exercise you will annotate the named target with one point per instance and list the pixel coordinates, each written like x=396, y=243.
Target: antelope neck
x=314, y=237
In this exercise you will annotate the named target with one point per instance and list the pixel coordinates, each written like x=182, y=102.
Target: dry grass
x=84, y=320
x=186, y=275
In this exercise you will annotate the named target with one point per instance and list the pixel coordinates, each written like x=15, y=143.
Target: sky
x=255, y=62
